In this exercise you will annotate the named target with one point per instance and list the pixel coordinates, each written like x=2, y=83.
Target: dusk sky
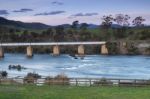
x=55, y=12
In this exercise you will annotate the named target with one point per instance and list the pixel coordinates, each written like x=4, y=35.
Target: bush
x=3, y=74
x=144, y=35
x=31, y=77
x=17, y=67
x=132, y=50
x=112, y=47
x=60, y=79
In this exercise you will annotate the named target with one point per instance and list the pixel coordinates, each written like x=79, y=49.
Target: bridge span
x=56, y=46
x=52, y=43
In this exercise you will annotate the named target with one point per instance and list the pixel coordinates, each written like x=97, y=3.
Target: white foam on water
x=91, y=65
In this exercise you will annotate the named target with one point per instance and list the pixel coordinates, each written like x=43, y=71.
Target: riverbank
x=67, y=92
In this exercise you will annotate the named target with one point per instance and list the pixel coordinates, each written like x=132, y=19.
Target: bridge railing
x=52, y=43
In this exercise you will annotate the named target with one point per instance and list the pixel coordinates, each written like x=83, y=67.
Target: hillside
x=22, y=25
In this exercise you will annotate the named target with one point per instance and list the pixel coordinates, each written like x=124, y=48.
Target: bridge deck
x=52, y=43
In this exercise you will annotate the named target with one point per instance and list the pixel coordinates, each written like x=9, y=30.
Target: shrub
x=60, y=79
x=31, y=77
x=132, y=50
x=17, y=67
x=3, y=74
x=112, y=47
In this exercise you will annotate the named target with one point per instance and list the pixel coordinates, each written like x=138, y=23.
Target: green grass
x=70, y=92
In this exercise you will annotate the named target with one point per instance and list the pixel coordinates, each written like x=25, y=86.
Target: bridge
x=56, y=46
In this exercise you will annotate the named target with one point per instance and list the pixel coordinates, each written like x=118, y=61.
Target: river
x=96, y=66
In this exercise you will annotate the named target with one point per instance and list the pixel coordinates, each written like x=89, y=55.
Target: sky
x=56, y=12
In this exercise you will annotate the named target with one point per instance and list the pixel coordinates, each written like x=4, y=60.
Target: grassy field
x=70, y=92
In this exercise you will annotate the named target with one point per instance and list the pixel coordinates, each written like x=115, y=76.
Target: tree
x=106, y=25
x=49, y=32
x=107, y=21
x=3, y=33
x=11, y=30
x=59, y=33
x=84, y=34
x=138, y=21
x=27, y=36
x=143, y=35
x=123, y=21
x=74, y=26
x=84, y=26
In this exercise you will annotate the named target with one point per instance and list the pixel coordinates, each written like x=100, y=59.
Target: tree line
x=125, y=29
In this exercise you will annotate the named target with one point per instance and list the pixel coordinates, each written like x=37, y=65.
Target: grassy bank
x=70, y=92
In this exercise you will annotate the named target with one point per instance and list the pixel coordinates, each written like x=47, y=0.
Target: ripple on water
x=91, y=65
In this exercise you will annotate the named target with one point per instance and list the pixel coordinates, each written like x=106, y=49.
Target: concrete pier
x=104, y=49
x=81, y=51
x=1, y=52
x=123, y=47
x=29, y=51
x=56, y=50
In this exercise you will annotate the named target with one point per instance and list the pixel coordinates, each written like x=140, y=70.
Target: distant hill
x=93, y=26
x=90, y=26
x=115, y=26
x=19, y=24
x=41, y=26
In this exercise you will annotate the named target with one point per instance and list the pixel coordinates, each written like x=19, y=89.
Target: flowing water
x=91, y=66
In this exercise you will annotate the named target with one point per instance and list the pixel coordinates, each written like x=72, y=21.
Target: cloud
x=4, y=12
x=83, y=14
x=23, y=10
x=57, y=3
x=49, y=13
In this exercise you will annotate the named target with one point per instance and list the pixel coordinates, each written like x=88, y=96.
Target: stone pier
x=104, y=49
x=29, y=51
x=81, y=50
x=56, y=50
x=1, y=52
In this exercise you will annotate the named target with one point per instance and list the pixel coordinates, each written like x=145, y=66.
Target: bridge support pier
x=1, y=52
x=29, y=51
x=56, y=50
x=104, y=49
x=81, y=51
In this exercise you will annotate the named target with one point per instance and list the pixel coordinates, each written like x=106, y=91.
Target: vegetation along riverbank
x=124, y=36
